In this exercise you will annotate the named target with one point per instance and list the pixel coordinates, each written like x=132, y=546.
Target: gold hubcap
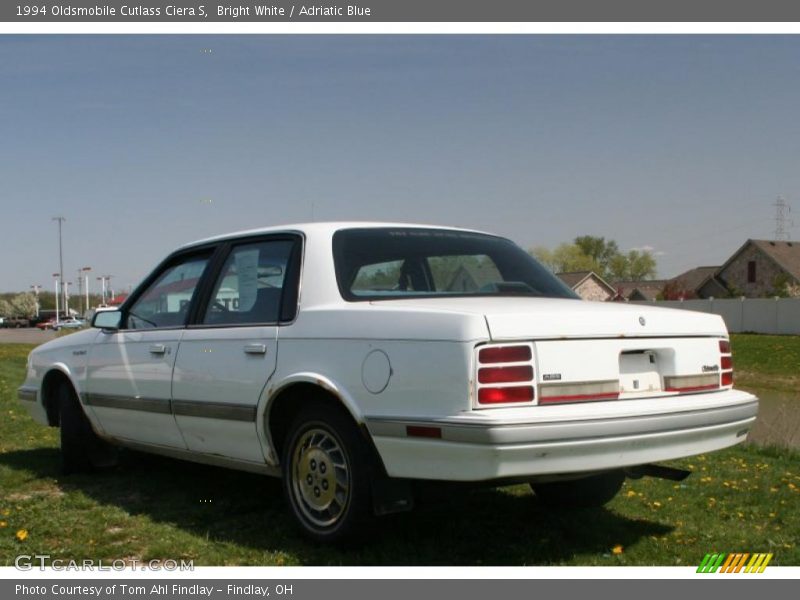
x=321, y=477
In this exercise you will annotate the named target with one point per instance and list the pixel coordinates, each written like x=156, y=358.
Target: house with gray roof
x=761, y=267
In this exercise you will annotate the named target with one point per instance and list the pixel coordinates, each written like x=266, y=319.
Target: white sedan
x=350, y=359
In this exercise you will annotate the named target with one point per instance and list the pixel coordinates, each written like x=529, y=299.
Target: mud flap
x=659, y=471
x=391, y=495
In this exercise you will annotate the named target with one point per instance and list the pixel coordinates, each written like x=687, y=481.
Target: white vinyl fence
x=758, y=315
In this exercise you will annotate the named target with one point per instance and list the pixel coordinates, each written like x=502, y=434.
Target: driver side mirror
x=108, y=320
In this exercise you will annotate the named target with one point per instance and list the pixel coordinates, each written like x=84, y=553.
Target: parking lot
x=27, y=335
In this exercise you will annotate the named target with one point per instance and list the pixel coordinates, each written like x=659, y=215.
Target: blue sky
x=679, y=143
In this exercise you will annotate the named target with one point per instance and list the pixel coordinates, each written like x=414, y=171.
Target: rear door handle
x=255, y=349
x=158, y=349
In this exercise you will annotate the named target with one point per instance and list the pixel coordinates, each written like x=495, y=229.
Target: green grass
x=742, y=499
x=767, y=361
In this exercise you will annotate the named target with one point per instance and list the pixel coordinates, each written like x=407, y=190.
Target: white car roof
x=321, y=228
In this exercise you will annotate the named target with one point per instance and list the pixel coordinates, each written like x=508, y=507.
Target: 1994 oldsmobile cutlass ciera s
x=350, y=359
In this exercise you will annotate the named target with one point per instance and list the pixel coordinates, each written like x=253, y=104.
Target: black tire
x=81, y=449
x=588, y=492
x=327, y=467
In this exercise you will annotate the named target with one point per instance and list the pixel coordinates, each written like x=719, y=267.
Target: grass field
x=743, y=499
x=767, y=361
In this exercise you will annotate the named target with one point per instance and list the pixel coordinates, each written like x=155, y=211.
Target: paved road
x=29, y=335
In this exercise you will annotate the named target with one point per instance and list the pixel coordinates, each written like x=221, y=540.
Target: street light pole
x=61, y=220
x=80, y=291
x=55, y=275
x=86, y=275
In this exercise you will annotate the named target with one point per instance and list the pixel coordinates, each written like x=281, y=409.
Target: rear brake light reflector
x=726, y=362
x=727, y=378
x=422, y=431
x=724, y=347
x=579, y=398
x=583, y=391
x=521, y=373
x=504, y=354
x=691, y=383
x=503, y=395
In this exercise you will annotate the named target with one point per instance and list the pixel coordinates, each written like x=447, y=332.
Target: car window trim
x=227, y=247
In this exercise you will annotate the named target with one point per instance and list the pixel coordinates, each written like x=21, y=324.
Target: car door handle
x=255, y=349
x=158, y=349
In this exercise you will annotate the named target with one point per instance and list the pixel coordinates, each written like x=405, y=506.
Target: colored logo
x=736, y=562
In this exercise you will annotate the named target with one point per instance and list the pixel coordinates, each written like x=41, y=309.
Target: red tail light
x=504, y=354
x=503, y=395
x=506, y=381
x=726, y=363
x=515, y=374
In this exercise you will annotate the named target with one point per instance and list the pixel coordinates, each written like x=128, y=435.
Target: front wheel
x=326, y=473
x=587, y=492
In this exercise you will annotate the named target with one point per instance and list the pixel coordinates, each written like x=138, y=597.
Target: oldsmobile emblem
x=642, y=321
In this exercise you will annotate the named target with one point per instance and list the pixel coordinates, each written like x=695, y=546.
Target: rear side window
x=251, y=284
x=386, y=263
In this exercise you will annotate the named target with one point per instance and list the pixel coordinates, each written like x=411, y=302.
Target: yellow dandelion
x=630, y=494
x=657, y=504
x=3, y=524
x=6, y=512
x=618, y=549
x=22, y=535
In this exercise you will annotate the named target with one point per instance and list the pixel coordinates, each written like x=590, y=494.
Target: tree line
x=591, y=253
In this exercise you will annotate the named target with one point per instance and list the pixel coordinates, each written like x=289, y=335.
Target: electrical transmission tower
x=782, y=221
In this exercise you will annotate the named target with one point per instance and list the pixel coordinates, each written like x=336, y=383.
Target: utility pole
x=61, y=220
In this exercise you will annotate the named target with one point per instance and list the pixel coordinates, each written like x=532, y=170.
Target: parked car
x=45, y=325
x=70, y=323
x=16, y=322
x=352, y=359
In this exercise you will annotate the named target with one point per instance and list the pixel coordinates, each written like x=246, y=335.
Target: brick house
x=638, y=290
x=700, y=282
x=588, y=285
x=759, y=267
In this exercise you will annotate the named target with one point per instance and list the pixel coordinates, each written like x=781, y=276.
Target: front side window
x=385, y=263
x=250, y=286
x=166, y=302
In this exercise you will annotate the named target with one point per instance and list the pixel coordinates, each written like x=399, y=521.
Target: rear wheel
x=587, y=492
x=326, y=473
x=81, y=448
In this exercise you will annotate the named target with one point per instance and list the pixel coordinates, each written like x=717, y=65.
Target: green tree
x=599, y=250
x=591, y=253
x=565, y=258
x=24, y=305
x=6, y=310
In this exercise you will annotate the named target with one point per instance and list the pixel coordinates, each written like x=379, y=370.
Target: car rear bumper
x=482, y=449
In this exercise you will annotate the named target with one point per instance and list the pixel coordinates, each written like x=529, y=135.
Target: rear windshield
x=386, y=263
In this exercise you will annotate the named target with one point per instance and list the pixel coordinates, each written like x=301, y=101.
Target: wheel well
x=52, y=381
x=291, y=400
